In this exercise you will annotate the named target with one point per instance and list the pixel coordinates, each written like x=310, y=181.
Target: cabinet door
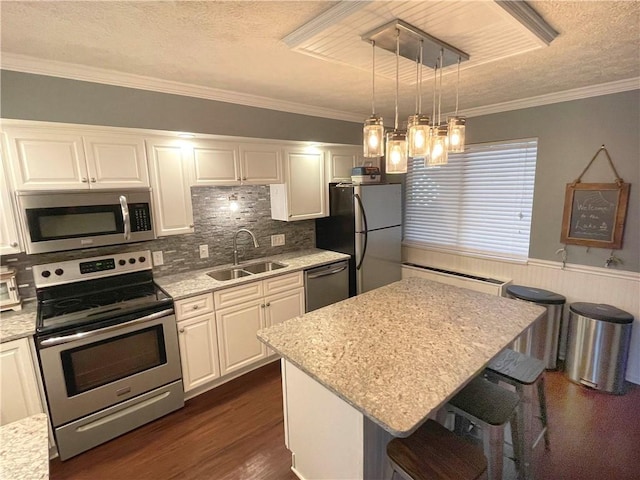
x=169, y=163
x=261, y=164
x=9, y=239
x=237, y=327
x=283, y=307
x=198, y=350
x=46, y=160
x=216, y=163
x=116, y=162
x=19, y=396
x=340, y=162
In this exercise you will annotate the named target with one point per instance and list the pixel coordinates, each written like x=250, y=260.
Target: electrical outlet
x=204, y=251
x=277, y=240
x=157, y=258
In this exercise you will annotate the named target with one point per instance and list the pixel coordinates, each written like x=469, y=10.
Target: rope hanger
x=618, y=180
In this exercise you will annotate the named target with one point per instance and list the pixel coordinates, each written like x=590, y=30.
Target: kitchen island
x=375, y=366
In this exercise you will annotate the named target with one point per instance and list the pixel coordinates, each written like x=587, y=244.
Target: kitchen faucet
x=235, y=243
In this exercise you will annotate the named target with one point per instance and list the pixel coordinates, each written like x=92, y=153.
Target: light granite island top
x=400, y=352
x=24, y=449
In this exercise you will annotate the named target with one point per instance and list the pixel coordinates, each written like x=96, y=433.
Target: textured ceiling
x=238, y=46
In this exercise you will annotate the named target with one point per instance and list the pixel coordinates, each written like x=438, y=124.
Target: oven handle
x=125, y=217
x=50, y=342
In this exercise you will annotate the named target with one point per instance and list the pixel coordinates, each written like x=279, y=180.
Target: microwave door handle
x=125, y=217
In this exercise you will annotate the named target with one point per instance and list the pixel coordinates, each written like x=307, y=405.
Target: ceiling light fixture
x=373, y=131
x=418, y=128
x=457, y=124
x=396, y=153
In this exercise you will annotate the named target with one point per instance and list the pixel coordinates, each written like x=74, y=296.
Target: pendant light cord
x=373, y=79
x=440, y=87
x=397, y=72
x=457, y=86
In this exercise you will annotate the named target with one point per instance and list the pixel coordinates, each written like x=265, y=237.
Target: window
x=480, y=202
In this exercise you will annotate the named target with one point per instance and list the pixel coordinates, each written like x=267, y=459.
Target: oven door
x=89, y=371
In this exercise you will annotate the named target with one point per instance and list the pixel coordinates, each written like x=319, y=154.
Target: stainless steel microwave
x=67, y=220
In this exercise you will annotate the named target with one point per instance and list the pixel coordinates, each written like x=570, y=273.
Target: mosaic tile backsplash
x=215, y=224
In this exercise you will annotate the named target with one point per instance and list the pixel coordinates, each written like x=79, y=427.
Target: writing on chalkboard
x=594, y=214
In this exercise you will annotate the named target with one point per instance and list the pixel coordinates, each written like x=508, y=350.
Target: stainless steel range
x=108, y=348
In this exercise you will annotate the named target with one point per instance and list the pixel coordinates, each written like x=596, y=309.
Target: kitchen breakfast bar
x=362, y=371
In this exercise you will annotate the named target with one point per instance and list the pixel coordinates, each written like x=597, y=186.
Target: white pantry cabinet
x=50, y=158
x=170, y=167
x=19, y=397
x=302, y=195
x=231, y=163
x=243, y=310
x=198, y=340
x=340, y=161
x=9, y=237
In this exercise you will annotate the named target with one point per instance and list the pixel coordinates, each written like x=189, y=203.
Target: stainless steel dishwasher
x=326, y=285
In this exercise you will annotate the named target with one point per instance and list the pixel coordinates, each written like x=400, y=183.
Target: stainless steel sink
x=228, y=274
x=244, y=270
x=263, y=267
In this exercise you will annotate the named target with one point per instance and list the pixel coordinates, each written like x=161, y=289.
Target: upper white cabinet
x=9, y=238
x=231, y=163
x=19, y=396
x=170, y=167
x=341, y=159
x=49, y=158
x=302, y=196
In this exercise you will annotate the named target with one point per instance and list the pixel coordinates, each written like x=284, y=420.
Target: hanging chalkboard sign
x=594, y=214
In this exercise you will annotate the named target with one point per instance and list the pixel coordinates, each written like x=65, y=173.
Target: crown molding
x=557, y=97
x=26, y=64
x=530, y=19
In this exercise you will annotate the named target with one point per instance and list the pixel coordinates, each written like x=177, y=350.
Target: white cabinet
x=243, y=310
x=48, y=158
x=198, y=340
x=19, y=397
x=230, y=163
x=170, y=167
x=302, y=196
x=340, y=161
x=9, y=238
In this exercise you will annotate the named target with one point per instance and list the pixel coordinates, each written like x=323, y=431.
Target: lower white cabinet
x=19, y=397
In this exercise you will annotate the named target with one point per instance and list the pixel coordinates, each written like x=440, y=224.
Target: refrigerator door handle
x=366, y=229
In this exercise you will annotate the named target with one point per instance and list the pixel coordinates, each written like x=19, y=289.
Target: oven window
x=99, y=363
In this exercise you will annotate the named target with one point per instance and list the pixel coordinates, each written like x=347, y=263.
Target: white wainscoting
x=577, y=283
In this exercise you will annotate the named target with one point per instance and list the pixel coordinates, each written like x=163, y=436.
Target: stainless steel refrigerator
x=365, y=222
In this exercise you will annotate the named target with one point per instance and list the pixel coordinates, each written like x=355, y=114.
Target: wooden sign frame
x=594, y=214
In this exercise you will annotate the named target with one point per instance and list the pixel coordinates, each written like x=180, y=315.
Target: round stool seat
x=434, y=453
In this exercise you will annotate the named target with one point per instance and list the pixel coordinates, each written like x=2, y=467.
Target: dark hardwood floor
x=236, y=432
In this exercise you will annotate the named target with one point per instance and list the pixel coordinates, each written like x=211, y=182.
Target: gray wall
x=569, y=134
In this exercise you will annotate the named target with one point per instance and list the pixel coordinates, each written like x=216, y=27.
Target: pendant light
x=418, y=127
x=396, y=152
x=439, y=138
x=457, y=124
x=373, y=131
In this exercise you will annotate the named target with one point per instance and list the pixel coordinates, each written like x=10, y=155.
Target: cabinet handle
x=269, y=304
x=262, y=306
x=239, y=179
x=191, y=225
x=93, y=180
x=244, y=178
x=181, y=330
x=14, y=244
x=195, y=307
x=84, y=180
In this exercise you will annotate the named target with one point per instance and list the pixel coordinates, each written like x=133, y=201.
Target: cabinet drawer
x=194, y=306
x=236, y=295
x=283, y=283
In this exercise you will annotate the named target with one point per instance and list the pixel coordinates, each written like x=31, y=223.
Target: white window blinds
x=480, y=202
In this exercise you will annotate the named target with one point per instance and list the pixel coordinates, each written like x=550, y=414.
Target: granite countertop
x=197, y=281
x=24, y=449
x=20, y=324
x=398, y=353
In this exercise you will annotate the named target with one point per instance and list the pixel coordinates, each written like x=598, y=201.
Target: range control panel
x=59, y=273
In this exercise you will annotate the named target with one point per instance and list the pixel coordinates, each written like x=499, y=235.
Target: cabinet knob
x=238, y=178
x=262, y=306
x=268, y=304
x=244, y=178
x=14, y=244
x=84, y=180
x=181, y=330
x=93, y=180
x=191, y=225
x=195, y=307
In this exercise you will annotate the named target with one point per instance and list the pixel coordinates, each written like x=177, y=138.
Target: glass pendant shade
x=439, y=147
x=456, y=134
x=396, y=154
x=373, y=137
x=418, y=133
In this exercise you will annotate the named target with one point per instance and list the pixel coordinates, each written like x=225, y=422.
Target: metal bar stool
x=526, y=374
x=434, y=453
x=490, y=407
